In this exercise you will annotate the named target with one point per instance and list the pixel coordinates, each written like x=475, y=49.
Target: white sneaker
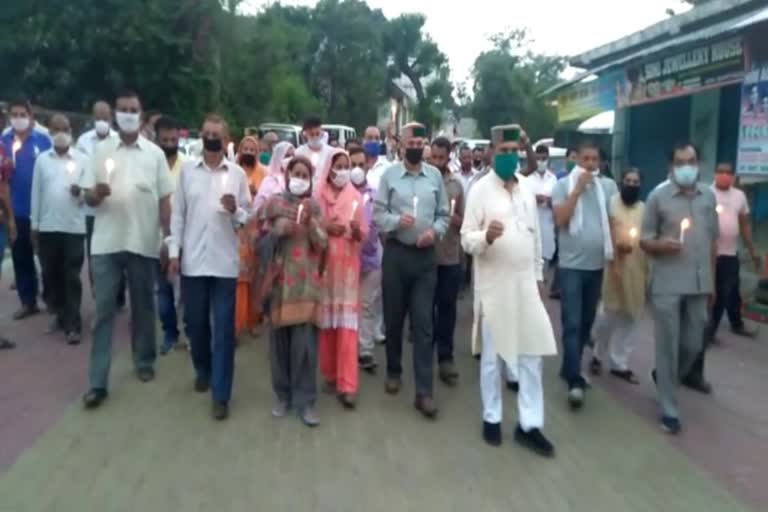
x=576, y=398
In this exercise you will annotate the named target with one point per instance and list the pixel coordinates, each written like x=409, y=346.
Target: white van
x=285, y=132
x=340, y=133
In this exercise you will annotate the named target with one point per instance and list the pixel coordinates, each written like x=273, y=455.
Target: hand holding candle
x=685, y=224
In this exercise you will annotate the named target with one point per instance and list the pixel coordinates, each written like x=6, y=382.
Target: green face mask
x=505, y=165
x=569, y=165
x=264, y=158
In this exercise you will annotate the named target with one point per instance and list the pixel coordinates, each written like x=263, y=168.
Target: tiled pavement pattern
x=153, y=446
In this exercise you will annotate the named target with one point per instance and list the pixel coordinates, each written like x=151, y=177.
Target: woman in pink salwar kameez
x=342, y=208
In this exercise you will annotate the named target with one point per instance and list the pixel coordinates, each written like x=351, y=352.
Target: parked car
x=285, y=132
x=340, y=133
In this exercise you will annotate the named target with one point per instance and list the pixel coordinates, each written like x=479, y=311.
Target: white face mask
x=340, y=178
x=20, y=124
x=62, y=140
x=315, y=143
x=128, y=122
x=101, y=127
x=357, y=176
x=542, y=165
x=298, y=186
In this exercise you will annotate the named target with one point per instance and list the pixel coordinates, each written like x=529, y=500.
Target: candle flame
x=109, y=164
x=685, y=224
x=71, y=167
x=633, y=233
x=719, y=209
x=16, y=146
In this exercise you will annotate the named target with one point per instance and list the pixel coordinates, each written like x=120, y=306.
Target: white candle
x=298, y=215
x=109, y=164
x=684, y=225
x=719, y=209
x=415, y=206
x=224, y=179
x=366, y=198
x=633, y=233
x=354, y=209
x=15, y=149
x=453, y=206
x=71, y=168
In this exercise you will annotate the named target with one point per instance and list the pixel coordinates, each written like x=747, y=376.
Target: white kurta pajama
x=511, y=324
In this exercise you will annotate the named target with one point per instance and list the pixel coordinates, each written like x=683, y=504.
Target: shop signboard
x=697, y=69
x=587, y=99
x=753, y=127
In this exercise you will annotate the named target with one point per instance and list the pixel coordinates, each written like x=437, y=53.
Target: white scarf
x=577, y=220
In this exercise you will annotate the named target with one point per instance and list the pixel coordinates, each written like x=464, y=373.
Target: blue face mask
x=685, y=175
x=371, y=148
x=505, y=165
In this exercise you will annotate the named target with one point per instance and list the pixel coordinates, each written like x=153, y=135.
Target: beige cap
x=414, y=130
x=506, y=133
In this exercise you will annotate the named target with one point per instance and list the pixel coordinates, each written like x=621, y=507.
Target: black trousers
x=409, y=276
x=61, y=259
x=449, y=278
x=89, y=220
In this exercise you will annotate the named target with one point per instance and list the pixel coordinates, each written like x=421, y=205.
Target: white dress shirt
x=201, y=229
x=318, y=158
x=465, y=179
x=54, y=209
x=543, y=184
x=377, y=171
x=87, y=142
x=128, y=220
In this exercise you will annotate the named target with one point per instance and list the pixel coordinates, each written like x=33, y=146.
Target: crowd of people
x=331, y=249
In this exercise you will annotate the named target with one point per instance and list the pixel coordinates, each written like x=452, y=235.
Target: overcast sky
x=563, y=27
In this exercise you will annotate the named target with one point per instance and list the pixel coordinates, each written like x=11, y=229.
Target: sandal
x=626, y=375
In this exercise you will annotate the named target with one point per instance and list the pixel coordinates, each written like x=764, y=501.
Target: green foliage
x=508, y=81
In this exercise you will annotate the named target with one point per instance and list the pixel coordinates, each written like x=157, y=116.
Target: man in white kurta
x=542, y=182
x=501, y=231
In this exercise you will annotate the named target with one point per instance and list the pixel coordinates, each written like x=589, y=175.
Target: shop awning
x=722, y=28
x=601, y=123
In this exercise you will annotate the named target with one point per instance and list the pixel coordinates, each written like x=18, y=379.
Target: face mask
x=686, y=175
x=264, y=158
x=298, y=186
x=357, y=176
x=569, y=165
x=315, y=143
x=541, y=166
x=128, y=122
x=505, y=165
x=596, y=173
x=213, y=145
x=61, y=140
x=170, y=151
x=630, y=194
x=414, y=156
x=340, y=178
x=248, y=160
x=101, y=127
x=20, y=124
x=371, y=148
x=477, y=163
x=723, y=180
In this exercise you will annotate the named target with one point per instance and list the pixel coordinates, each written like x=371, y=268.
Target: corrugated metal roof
x=722, y=28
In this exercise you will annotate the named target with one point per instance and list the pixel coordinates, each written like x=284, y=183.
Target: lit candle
x=633, y=233
x=393, y=109
x=719, y=209
x=71, y=168
x=354, y=209
x=415, y=206
x=15, y=149
x=453, y=206
x=684, y=225
x=298, y=215
x=366, y=198
x=109, y=164
x=224, y=179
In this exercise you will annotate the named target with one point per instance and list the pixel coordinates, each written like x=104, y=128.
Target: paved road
x=153, y=447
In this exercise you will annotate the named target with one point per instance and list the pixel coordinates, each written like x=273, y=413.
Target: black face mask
x=213, y=145
x=170, y=151
x=630, y=194
x=414, y=155
x=477, y=163
x=248, y=160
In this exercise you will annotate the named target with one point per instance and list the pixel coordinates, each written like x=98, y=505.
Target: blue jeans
x=166, y=307
x=24, y=263
x=213, y=350
x=580, y=294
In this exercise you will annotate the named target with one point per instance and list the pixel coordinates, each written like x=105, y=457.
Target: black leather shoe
x=426, y=406
x=201, y=385
x=220, y=411
x=513, y=386
x=535, y=441
x=698, y=385
x=492, y=433
x=145, y=374
x=94, y=398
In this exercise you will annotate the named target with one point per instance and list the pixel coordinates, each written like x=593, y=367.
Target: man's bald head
x=102, y=111
x=59, y=123
x=372, y=134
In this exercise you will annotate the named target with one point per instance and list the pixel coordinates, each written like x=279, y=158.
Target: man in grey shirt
x=580, y=202
x=411, y=211
x=679, y=232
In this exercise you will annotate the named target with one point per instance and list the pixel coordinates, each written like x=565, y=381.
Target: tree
x=507, y=84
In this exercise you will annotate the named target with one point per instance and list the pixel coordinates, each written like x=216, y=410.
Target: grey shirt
x=690, y=272
x=394, y=198
x=585, y=251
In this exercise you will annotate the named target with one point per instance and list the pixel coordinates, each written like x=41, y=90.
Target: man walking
x=411, y=210
x=581, y=213
x=58, y=226
x=501, y=230
x=129, y=186
x=542, y=183
x=205, y=230
x=449, y=275
x=23, y=144
x=679, y=232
